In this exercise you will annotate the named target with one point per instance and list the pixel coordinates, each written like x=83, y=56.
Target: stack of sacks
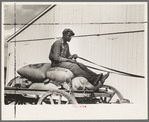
x=38, y=73
x=35, y=72
x=57, y=76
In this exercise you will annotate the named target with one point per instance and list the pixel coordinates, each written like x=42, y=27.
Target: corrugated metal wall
x=124, y=52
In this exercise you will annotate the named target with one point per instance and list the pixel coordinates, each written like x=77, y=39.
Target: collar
x=63, y=41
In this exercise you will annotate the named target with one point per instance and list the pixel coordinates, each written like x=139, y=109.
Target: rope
x=121, y=72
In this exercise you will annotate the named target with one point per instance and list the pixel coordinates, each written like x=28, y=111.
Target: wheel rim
x=114, y=93
x=56, y=97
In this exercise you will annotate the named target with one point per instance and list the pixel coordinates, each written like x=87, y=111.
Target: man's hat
x=65, y=31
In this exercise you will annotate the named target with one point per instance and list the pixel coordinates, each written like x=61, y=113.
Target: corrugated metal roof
x=30, y=22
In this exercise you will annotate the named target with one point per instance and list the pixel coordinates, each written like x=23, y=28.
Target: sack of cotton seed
x=59, y=75
x=35, y=72
x=19, y=82
x=80, y=83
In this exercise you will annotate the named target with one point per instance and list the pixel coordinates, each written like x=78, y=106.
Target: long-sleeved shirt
x=59, y=52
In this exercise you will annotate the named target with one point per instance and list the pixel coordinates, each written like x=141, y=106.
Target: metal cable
x=138, y=31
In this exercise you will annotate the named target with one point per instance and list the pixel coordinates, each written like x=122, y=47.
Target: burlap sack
x=35, y=72
x=19, y=82
x=59, y=75
x=80, y=83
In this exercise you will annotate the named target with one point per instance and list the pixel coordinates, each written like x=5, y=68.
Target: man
x=60, y=57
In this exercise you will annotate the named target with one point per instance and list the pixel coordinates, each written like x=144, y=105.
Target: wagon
x=26, y=96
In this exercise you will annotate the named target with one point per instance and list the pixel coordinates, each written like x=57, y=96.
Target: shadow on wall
x=5, y=70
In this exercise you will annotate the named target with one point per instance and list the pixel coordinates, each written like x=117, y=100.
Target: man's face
x=67, y=37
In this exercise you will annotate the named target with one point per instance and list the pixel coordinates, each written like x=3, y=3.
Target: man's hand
x=71, y=60
x=75, y=56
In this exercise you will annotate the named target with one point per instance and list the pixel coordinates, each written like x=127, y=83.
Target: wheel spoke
x=67, y=102
x=60, y=98
x=101, y=99
x=9, y=102
x=51, y=100
x=105, y=100
x=111, y=97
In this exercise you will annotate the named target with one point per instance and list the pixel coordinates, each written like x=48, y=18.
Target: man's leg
x=82, y=66
x=77, y=71
x=100, y=80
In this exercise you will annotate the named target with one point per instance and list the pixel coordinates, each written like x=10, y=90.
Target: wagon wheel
x=55, y=96
x=113, y=92
x=19, y=99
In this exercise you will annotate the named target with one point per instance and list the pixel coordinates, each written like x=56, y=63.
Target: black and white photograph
x=74, y=61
